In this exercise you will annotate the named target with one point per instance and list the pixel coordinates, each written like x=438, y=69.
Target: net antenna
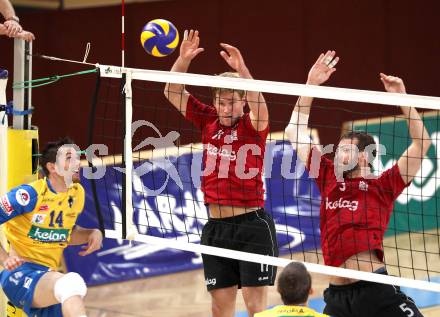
x=3, y=133
x=123, y=33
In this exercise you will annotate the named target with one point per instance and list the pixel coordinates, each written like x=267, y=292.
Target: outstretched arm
x=189, y=49
x=411, y=160
x=296, y=130
x=259, y=114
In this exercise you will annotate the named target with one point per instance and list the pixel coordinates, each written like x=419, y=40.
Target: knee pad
x=70, y=284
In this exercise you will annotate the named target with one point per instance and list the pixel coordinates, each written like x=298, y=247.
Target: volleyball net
x=148, y=168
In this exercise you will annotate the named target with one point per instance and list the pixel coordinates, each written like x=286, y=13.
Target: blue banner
x=168, y=203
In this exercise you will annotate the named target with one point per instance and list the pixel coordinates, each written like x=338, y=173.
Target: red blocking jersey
x=232, y=157
x=355, y=212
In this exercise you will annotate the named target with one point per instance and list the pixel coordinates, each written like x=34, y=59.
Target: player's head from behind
x=60, y=160
x=294, y=284
x=356, y=150
x=229, y=103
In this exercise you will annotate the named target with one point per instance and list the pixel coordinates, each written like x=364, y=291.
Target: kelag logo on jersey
x=48, y=235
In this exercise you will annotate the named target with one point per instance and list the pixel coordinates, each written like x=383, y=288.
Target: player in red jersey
x=356, y=206
x=234, y=144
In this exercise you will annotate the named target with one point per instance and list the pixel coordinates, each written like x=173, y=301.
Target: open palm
x=393, y=84
x=323, y=68
x=190, y=45
x=233, y=57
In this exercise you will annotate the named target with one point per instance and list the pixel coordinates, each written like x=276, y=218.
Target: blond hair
x=217, y=90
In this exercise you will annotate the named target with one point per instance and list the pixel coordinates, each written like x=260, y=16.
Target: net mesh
x=167, y=197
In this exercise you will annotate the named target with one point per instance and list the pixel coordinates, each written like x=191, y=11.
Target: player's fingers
x=97, y=245
x=84, y=252
x=191, y=35
x=225, y=56
x=320, y=59
x=327, y=59
x=386, y=78
x=90, y=248
x=94, y=243
x=15, y=261
x=198, y=51
x=185, y=35
x=14, y=30
x=229, y=48
x=333, y=62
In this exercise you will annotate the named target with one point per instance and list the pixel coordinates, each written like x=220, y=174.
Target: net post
x=128, y=228
x=22, y=73
x=3, y=161
x=90, y=162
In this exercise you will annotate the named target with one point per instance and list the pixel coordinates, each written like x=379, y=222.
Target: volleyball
x=159, y=37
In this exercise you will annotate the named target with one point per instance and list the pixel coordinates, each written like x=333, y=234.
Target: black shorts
x=367, y=299
x=253, y=232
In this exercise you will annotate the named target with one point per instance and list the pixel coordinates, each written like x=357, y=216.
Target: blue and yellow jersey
x=38, y=221
x=290, y=311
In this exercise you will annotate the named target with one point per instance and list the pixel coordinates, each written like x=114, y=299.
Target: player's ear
x=50, y=167
x=311, y=292
x=363, y=156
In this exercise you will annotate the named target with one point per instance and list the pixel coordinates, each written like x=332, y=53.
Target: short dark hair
x=294, y=284
x=49, y=153
x=364, y=140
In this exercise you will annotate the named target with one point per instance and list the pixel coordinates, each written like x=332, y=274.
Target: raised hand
x=393, y=84
x=323, y=68
x=233, y=57
x=189, y=48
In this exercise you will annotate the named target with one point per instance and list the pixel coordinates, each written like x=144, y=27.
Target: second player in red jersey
x=356, y=205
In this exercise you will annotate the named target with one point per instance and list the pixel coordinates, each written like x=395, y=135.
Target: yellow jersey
x=38, y=221
x=289, y=311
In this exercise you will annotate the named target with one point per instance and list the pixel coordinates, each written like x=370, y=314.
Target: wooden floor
x=177, y=295
x=185, y=295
